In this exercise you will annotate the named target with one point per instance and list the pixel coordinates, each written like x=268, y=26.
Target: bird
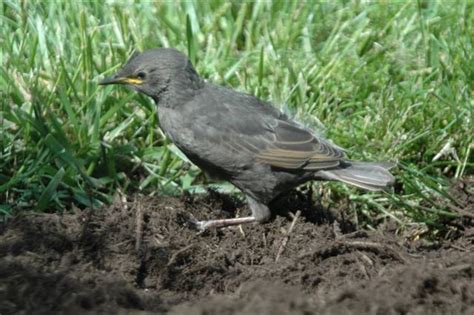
x=239, y=138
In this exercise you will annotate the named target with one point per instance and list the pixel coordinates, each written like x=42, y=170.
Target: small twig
x=87, y=221
x=336, y=229
x=138, y=226
x=287, y=236
x=462, y=212
x=177, y=253
x=460, y=268
x=462, y=249
x=362, y=266
x=241, y=229
x=123, y=200
x=341, y=247
x=371, y=246
x=363, y=245
x=366, y=259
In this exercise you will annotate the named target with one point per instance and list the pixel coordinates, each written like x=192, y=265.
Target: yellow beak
x=120, y=80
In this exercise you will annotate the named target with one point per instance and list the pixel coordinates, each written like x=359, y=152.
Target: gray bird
x=239, y=138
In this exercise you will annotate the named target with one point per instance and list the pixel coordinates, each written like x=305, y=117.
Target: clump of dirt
x=141, y=256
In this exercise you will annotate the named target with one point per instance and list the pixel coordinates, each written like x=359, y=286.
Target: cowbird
x=237, y=137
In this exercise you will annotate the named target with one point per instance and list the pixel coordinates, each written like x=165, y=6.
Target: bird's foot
x=202, y=226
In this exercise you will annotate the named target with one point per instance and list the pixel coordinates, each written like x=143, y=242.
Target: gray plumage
x=238, y=137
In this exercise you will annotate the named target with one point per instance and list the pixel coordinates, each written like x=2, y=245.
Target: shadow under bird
x=239, y=138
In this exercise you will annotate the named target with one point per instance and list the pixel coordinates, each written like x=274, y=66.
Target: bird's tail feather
x=372, y=176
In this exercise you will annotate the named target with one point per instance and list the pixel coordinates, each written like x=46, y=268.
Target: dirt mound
x=141, y=257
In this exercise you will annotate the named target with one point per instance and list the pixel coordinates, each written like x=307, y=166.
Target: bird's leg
x=220, y=223
x=260, y=213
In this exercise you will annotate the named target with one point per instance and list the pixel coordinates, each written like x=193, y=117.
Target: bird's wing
x=293, y=147
x=272, y=138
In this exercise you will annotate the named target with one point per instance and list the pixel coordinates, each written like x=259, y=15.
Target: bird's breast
x=170, y=123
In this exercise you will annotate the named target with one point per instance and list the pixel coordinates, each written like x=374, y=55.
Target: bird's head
x=154, y=71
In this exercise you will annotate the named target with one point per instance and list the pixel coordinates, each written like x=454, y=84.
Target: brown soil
x=140, y=256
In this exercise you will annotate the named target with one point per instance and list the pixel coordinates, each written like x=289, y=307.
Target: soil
x=140, y=256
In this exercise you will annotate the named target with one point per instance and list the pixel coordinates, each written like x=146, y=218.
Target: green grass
x=386, y=81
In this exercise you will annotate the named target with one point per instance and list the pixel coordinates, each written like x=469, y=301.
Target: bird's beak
x=120, y=80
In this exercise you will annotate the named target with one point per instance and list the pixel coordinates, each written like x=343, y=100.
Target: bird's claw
x=200, y=226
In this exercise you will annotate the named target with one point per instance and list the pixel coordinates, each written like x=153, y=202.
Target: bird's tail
x=372, y=176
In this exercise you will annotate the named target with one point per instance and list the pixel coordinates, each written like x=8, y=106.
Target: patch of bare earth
x=141, y=256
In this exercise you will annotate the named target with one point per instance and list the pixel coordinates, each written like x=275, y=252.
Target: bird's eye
x=141, y=75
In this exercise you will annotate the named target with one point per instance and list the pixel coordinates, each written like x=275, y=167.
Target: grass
x=387, y=81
